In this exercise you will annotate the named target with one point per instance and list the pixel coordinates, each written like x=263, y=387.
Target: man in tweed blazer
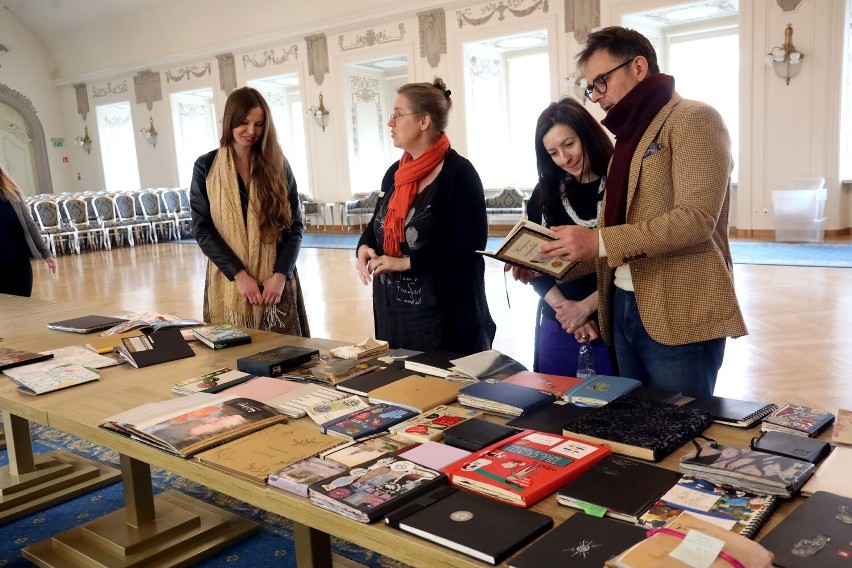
x=665, y=280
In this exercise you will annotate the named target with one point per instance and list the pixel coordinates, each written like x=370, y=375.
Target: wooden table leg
x=313, y=547
x=32, y=482
x=167, y=529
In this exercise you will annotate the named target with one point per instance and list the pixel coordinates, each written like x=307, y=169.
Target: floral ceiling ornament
x=788, y=5
x=118, y=89
x=371, y=37
x=82, y=99
x=581, y=16
x=188, y=72
x=269, y=58
x=227, y=72
x=433, y=35
x=486, y=12
x=317, y=56
x=148, y=88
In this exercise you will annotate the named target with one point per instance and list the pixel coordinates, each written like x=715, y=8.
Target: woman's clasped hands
x=370, y=264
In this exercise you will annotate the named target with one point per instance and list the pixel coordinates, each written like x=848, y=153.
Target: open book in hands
x=520, y=248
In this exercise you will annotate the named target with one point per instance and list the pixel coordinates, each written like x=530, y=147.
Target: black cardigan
x=211, y=242
x=458, y=208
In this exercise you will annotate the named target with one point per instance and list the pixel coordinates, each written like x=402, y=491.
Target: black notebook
x=363, y=384
x=654, y=393
x=814, y=534
x=469, y=523
x=733, y=412
x=549, y=418
x=791, y=445
x=86, y=324
x=581, y=540
x=274, y=362
x=15, y=357
x=436, y=362
x=618, y=487
x=639, y=427
x=158, y=347
x=475, y=434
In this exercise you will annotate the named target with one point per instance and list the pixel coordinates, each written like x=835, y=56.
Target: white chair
x=162, y=222
x=50, y=223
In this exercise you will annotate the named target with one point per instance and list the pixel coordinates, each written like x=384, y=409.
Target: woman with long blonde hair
x=20, y=240
x=247, y=220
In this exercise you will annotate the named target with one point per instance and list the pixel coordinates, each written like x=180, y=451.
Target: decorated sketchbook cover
x=329, y=370
x=842, y=432
x=640, y=427
x=211, y=382
x=294, y=403
x=617, y=487
x=377, y=418
x=417, y=393
x=733, y=412
x=798, y=419
x=581, y=541
x=355, y=452
x=254, y=456
x=816, y=534
x=15, y=357
x=746, y=468
x=221, y=336
x=323, y=412
x=468, y=523
x=600, y=390
x=430, y=425
x=556, y=385
x=520, y=248
x=526, y=467
x=297, y=477
x=734, y=509
x=366, y=493
x=57, y=378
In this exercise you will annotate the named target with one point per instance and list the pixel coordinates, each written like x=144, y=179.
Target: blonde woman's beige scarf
x=224, y=302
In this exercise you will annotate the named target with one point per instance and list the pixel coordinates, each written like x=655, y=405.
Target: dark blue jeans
x=690, y=369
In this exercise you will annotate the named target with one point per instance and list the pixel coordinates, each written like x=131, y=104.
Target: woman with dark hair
x=572, y=153
x=247, y=220
x=20, y=240
x=419, y=249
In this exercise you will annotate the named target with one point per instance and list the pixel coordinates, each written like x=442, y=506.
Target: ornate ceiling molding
x=269, y=58
x=189, y=72
x=371, y=37
x=513, y=7
x=109, y=89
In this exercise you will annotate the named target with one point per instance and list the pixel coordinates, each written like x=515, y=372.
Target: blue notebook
x=599, y=390
x=499, y=397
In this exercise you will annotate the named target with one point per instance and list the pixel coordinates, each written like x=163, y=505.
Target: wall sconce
x=578, y=86
x=319, y=114
x=785, y=59
x=84, y=141
x=150, y=133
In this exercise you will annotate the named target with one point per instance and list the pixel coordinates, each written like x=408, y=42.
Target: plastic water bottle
x=585, y=364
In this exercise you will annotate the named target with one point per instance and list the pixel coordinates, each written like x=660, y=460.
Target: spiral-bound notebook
x=733, y=412
x=739, y=511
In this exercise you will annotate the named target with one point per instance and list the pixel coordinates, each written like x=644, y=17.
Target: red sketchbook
x=526, y=467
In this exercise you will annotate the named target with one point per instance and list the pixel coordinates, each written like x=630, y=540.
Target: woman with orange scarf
x=419, y=248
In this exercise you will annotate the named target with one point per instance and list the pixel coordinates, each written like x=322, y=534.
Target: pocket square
x=653, y=148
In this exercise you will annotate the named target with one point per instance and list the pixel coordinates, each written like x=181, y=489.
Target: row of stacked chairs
x=91, y=220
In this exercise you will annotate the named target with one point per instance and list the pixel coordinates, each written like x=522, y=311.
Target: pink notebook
x=434, y=455
x=262, y=389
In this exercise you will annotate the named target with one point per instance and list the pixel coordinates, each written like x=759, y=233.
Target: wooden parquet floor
x=799, y=318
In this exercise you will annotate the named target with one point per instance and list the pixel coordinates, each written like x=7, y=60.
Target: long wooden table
x=149, y=524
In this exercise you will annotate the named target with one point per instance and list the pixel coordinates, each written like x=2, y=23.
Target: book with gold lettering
x=520, y=248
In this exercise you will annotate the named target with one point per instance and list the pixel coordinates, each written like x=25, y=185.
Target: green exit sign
x=57, y=142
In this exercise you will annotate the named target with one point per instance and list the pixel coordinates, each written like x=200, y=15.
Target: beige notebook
x=266, y=451
x=417, y=393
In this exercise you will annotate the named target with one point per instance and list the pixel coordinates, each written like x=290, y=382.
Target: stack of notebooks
x=798, y=419
x=750, y=470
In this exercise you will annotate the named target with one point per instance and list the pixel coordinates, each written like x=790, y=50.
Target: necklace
x=588, y=223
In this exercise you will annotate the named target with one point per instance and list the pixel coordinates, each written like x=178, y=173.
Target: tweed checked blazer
x=676, y=235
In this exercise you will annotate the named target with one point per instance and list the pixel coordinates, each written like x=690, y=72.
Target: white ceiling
x=48, y=18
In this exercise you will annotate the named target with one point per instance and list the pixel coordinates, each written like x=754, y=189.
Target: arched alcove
x=25, y=107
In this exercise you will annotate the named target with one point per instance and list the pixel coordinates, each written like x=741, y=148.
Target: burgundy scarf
x=628, y=120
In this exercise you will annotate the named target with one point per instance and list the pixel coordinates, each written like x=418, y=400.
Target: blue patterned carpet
x=272, y=546
x=838, y=255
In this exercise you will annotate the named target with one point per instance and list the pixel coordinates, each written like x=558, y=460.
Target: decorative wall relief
x=788, y=5
x=269, y=58
x=370, y=38
x=148, y=88
x=109, y=89
x=82, y=99
x=433, y=35
x=189, y=72
x=227, y=72
x=581, y=16
x=317, y=56
x=513, y=7
x=365, y=90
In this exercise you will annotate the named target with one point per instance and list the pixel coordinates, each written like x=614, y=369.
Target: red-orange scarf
x=405, y=181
